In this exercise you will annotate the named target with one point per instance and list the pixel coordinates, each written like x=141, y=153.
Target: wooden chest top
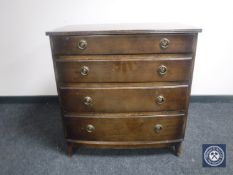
x=119, y=29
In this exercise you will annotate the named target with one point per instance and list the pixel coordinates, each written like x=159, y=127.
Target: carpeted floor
x=31, y=143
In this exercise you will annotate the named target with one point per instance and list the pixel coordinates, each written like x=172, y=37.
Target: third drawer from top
x=123, y=97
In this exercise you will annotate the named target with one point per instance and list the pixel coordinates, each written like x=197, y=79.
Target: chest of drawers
x=124, y=86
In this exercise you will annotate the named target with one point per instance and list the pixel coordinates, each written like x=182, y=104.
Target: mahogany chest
x=124, y=86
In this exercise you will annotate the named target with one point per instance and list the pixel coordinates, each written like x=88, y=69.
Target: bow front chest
x=124, y=86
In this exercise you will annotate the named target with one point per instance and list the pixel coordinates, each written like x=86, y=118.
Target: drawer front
x=124, y=68
x=123, y=44
x=112, y=98
x=147, y=128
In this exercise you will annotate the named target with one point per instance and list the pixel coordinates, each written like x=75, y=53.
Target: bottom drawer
x=125, y=127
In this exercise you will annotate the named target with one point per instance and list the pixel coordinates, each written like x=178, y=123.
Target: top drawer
x=123, y=44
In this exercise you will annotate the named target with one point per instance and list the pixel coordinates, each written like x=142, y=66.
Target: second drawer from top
x=124, y=68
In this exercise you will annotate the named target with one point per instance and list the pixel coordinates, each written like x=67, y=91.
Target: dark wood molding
x=121, y=29
x=54, y=99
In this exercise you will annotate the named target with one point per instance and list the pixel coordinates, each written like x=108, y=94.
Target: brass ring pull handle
x=158, y=128
x=84, y=70
x=87, y=101
x=90, y=128
x=160, y=99
x=162, y=70
x=164, y=43
x=82, y=44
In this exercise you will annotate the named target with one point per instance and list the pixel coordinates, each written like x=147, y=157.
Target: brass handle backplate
x=87, y=101
x=90, y=128
x=164, y=43
x=84, y=70
x=82, y=44
x=160, y=99
x=158, y=128
x=162, y=70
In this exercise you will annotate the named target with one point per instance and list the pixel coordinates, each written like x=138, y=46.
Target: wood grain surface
x=125, y=98
x=123, y=44
x=125, y=128
x=124, y=68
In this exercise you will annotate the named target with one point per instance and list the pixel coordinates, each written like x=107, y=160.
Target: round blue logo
x=214, y=155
